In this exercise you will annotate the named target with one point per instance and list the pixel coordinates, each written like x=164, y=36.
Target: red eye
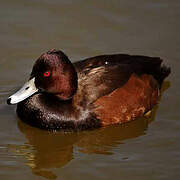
x=47, y=73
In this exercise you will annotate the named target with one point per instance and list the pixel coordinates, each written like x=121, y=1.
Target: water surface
x=148, y=148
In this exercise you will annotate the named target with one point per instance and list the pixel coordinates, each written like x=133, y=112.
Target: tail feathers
x=164, y=72
x=153, y=66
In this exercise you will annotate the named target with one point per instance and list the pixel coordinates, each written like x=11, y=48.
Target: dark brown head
x=52, y=73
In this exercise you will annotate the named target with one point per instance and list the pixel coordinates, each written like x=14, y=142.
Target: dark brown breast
x=128, y=102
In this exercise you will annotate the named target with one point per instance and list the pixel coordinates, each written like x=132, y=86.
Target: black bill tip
x=9, y=101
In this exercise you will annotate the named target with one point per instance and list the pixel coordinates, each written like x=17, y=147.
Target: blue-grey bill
x=27, y=90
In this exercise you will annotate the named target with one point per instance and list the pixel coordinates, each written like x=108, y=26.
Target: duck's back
x=101, y=75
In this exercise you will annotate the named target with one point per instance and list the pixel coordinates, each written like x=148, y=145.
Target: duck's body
x=110, y=89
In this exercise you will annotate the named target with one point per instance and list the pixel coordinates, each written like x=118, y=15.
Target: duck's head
x=52, y=73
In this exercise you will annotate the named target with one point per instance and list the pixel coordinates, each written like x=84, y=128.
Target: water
x=144, y=149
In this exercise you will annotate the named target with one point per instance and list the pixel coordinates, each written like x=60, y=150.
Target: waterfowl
x=91, y=93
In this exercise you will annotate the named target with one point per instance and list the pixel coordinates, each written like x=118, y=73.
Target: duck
x=91, y=93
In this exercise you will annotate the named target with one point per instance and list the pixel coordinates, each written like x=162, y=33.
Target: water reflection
x=45, y=150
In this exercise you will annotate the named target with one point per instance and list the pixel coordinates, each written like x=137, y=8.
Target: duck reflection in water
x=46, y=150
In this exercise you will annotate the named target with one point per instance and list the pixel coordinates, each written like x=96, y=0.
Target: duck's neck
x=69, y=84
x=65, y=96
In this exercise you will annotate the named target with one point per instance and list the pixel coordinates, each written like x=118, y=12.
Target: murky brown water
x=137, y=150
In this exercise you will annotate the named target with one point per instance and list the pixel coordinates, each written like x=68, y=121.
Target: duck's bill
x=27, y=90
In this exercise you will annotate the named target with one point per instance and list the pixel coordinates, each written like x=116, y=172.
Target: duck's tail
x=153, y=66
x=164, y=72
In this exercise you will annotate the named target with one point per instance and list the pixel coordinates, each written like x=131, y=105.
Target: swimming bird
x=92, y=93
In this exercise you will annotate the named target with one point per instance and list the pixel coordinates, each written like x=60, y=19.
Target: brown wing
x=98, y=82
x=128, y=102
